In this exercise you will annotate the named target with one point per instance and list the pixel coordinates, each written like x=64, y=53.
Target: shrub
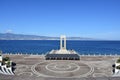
x=118, y=61
x=6, y=59
x=118, y=67
x=8, y=64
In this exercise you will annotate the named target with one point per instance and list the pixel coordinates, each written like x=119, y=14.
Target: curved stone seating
x=5, y=70
x=1, y=70
x=10, y=70
x=117, y=71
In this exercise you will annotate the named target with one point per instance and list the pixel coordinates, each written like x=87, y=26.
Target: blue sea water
x=44, y=46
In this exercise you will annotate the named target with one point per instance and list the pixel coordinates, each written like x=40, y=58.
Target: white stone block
x=117, y=64
x=117, y=71
x=0, y=58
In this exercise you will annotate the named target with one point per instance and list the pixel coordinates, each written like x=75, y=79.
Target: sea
x=45, y=46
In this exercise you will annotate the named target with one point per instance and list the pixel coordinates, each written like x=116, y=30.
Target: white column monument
x=63, y=49
x=62, y=53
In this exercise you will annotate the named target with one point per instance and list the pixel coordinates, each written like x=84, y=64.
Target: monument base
x=62, y=57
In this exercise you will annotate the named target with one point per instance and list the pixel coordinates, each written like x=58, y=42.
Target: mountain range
x=11, y=36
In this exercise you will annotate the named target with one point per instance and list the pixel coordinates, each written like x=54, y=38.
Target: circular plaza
x=62, y=69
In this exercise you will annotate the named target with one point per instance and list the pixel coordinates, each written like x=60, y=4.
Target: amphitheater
x=35, y=67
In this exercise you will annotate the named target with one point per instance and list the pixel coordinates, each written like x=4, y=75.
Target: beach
x=29, y=67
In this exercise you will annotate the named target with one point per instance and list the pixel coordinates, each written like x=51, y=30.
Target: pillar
x=63, y=40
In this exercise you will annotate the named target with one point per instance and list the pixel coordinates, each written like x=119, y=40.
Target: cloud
x=9, y=31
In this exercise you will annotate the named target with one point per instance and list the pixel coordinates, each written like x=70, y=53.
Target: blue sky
x=98, y=19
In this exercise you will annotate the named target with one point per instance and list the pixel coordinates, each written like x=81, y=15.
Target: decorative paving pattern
x=25, y=74
x=62, y=69
x=99, y=75
x=21, y=68
x=37, y=68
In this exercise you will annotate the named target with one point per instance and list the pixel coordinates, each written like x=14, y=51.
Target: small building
x=62, y=53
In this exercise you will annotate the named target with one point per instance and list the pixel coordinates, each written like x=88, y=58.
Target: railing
x=48, y=52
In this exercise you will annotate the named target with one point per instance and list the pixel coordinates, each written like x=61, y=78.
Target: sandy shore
x=35, y=67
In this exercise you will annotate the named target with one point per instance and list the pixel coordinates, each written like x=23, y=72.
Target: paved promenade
x=35, y=67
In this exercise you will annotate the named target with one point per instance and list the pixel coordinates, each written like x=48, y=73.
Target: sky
x=98, y=19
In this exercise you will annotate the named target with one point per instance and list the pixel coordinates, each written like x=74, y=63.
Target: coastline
x=43, y=54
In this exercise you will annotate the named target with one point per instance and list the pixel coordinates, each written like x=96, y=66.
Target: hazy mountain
x=11, y=36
